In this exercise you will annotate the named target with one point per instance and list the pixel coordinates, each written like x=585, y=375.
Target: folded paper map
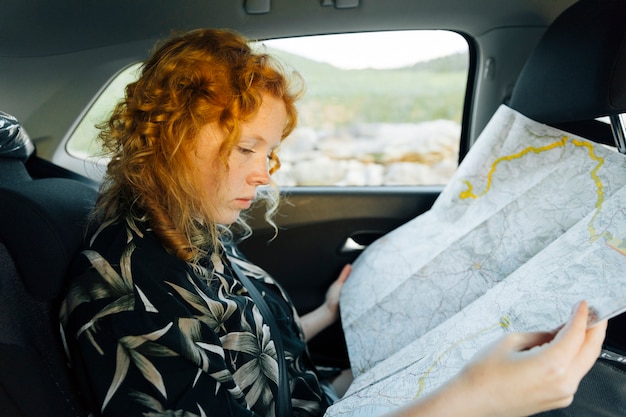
x=533, y=221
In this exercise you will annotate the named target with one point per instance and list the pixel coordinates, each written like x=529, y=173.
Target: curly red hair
x=200, y=77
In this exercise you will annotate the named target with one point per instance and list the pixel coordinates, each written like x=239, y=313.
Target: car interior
x=561, y=63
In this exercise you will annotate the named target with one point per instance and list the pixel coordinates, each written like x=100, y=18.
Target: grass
x=409, y=95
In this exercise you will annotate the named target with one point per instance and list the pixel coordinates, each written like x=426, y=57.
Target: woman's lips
x=244, y=203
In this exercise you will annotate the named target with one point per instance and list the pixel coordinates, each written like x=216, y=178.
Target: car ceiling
x=44, y=27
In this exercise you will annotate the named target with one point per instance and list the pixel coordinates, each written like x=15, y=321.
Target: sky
x=374, y=50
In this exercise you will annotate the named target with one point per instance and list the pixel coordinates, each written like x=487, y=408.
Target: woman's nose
x=261, y=173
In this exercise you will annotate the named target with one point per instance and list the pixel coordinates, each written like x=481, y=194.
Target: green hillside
x=426, y=91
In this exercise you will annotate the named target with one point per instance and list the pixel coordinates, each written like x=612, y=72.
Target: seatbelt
x=283, y=402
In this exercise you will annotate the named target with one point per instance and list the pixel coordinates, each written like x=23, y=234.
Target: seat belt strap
x=283, y=402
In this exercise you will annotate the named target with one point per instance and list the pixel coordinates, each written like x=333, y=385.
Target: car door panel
x=310, y=248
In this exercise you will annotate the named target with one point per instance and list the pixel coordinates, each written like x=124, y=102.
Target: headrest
x=14, y=141
x=578, y=69
x=42, y=224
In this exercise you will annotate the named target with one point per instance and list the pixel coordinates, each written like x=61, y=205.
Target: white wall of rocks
x=371, y=154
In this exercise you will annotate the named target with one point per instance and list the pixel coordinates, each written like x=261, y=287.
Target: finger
x=601, y=325
x=572, y=329
x=345, y=272
x=526, y=341
x=571, y=337
x=590, y=350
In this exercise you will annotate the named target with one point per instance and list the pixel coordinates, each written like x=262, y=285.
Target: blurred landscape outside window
x=380, y=108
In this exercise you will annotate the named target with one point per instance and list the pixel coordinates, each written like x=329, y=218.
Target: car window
x=83, y=143
x=380, y=108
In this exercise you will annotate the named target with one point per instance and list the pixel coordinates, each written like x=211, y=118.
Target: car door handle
x=351, y=246
x=357, y=242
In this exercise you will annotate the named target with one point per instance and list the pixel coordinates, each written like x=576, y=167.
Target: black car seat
x=577, y=72
x=575, y=75
x=41, y=228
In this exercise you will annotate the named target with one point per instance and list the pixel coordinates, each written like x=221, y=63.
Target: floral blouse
x=151, y=335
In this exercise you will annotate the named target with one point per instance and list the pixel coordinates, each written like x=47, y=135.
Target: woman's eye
x=245, y=150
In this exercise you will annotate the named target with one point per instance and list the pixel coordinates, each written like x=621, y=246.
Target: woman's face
x=248, y=163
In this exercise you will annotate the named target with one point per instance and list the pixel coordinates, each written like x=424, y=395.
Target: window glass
x=380, y=108
x=84, y=143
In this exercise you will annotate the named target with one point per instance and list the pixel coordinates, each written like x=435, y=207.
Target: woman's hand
x=326, y=314
x=526, y=373
x=334, y=292
x=520, y=374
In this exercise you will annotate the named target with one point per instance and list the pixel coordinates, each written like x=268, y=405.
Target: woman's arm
x=326, y=314
x=519, y=375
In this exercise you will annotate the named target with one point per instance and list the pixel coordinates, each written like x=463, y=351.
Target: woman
x=156, y=319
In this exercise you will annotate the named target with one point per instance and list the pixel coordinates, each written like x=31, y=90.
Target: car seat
x=577, y=73
x=41, y=228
